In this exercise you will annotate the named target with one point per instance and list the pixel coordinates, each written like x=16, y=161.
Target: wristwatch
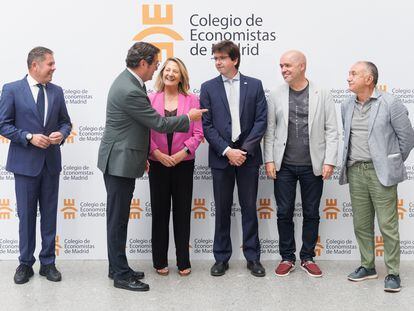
x=29, y=136
x=187, y=150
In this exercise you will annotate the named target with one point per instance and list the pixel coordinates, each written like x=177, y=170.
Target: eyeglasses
x=220, y=58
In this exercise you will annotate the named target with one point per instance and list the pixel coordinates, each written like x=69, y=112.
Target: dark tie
x=145, y=88
x=40, y=103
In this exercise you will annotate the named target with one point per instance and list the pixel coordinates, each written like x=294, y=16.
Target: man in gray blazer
x=124, y=149
x=378, y=138
x=300, y=143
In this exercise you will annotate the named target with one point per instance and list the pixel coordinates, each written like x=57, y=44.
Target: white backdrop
x=90, y=40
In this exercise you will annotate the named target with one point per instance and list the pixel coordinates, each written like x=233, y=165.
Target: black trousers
x=166, y=184
x=119, y=195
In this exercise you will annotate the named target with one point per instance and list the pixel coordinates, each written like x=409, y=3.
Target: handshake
x=196, y=114
x=43, y=141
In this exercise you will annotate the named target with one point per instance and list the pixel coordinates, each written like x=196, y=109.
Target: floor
x=85, y=286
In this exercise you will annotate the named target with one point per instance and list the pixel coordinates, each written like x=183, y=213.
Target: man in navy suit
x=234, y=126
x=33, y=116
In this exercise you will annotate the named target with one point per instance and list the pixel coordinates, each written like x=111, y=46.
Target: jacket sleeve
x=197, y=135
x=7, y=118
x=402, y=127
x=138, y=106
x=331, y=131
x=269, y=137
x=65, y=125
x=260, y=122
x=210, y=132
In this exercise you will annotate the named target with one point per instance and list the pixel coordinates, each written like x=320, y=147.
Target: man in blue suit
x=33, y=116
x=234, y=126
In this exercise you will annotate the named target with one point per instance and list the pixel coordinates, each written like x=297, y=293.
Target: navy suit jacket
x=217, y=121
x=19, y=116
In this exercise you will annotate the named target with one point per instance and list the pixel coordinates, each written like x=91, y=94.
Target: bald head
x=295, y=57
x=293, y=66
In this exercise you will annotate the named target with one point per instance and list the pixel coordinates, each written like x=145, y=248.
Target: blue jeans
x=311, y=187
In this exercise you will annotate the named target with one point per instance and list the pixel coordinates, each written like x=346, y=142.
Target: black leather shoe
x=132, y=283
x=219, y=268
x=23, y=274
x=138, y=274
x=50, y=272
x=256, y=268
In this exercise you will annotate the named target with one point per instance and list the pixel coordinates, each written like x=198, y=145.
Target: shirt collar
x=32, y=81
x=375, y=94
x=137, y=77
x=235, y=78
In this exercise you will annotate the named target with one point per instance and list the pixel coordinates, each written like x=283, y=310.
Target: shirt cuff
x=225, y=150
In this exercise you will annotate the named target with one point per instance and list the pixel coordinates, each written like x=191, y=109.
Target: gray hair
x=373, y=71
x=37, y=54
x=141, y=51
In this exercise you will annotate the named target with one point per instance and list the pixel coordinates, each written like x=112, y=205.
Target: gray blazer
x=129, y=117
x=323, y=127
x=390, y=137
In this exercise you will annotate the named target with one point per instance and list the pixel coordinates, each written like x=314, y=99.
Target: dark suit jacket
x=217, y=121
x=129, y=117
x=19, y=116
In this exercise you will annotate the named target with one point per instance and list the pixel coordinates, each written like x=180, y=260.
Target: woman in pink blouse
x=172, y=166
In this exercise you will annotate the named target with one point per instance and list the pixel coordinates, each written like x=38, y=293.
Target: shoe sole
x=259, y=275
x=392, y=290
x=138, y=277
x=52, y=280
x=286, y=274
x=24, y=281
x=219, y=274
x=132, y=289
x=181, y=273
x=310, y=274
x=369, y=277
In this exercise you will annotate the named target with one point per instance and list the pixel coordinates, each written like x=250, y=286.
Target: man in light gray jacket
x=378, y=138
x=300, y=144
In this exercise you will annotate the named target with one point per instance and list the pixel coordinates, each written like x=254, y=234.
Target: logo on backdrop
x=400, y=209
x=4, y=140
x=265, y=210
x=69, y=209
x=58, y=247
x=379, y=246
x=71, y=138
x=331, y=209
x=199, y=209
x=319, y=247
x=382, y=87
x=136, y=210
x=5, y=210
x=156, y=21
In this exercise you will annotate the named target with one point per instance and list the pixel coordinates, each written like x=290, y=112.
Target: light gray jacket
x=390, y=137
x=322, y=123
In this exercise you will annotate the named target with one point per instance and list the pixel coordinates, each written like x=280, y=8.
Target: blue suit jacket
x=19, y=116
x=217, y=121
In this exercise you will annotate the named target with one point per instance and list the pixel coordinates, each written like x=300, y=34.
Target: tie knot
x=39, y=85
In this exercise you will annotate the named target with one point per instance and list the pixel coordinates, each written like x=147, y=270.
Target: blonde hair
x=183, y=85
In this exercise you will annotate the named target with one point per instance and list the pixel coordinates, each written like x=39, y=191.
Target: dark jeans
x=285, y=193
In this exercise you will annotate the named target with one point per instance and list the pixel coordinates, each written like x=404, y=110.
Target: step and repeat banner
x=90, y=40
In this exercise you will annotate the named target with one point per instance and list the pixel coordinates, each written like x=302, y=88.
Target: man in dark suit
x=124, y=150
x=33, y=116
x=234, y=127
